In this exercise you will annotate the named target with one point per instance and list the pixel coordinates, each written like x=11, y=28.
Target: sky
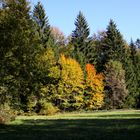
x=125, y=13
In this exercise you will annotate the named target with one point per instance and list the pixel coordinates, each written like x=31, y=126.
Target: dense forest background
x=44, y=72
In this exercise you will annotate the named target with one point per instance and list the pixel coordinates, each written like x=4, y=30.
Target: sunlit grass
x=97, y=125
x=88, y=115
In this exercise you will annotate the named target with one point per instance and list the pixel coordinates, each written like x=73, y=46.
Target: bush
x=48, y=109
x=6, y=115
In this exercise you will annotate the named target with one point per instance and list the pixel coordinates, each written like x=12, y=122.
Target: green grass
x=102, y=125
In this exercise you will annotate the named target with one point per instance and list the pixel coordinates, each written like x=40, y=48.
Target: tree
x=131, y=82
x=94, y=97
x=80, y=39
x=47, y=76
x=43, y=27
x=115, y=85
x=58, y=41
x=133, y=51
x=138, y=77
x=81, y=33
x=112, y=45
x=70, y=86
x=132, y=75
x=96, y=52
x=58, y=36
x=17, y=51
x=47, y=65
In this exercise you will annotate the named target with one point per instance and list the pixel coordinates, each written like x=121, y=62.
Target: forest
x=43, y=72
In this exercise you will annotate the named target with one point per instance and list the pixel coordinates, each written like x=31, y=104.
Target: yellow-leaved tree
x=94, y=97
x=71, y=85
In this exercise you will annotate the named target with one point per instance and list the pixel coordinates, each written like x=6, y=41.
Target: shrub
x=6, y=115
x=32, y=102
x=48, y=109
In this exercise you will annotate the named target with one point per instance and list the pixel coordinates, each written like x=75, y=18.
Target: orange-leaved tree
x=94, y=97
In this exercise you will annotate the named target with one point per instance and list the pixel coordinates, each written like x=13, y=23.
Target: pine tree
x=43, y=27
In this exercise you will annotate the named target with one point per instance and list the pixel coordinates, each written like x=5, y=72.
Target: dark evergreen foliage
x=81, y=33
x=17, y=47
x=43, y=27
x=80, y=39
x=113, y=44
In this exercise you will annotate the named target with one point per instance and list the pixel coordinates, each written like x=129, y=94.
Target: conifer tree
x=81, y=33
x=138, y=77
x=133, y=51
x=80, y=39
x=131, y=82
x=113, y=45
x=17, y=50
x=43, y=27
x=132, y=75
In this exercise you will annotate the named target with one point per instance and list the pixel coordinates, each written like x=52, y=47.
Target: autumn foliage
x=94, y=88
x=70, y=89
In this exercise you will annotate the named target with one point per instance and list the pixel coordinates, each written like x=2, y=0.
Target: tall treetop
x=40, y=16
x=42, y=23
x=82, y=28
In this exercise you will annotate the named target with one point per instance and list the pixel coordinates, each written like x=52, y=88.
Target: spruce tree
x=133, y=51
x=81, y=33
x=113, y=44
x=80, y=39
x=17, y=51
x=93, y=50
x=138, y=77
x=42, y=22
x=130, y=66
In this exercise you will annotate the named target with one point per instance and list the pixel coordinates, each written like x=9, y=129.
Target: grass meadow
x=98, y=125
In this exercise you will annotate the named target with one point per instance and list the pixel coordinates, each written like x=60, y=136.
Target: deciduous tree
x=70, y=90
x=94, y=97
x=115, y=84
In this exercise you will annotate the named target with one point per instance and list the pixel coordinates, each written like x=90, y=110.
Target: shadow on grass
x=76, y=129
x=120, y=115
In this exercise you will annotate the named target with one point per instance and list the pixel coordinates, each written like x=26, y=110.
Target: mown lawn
x=111, y=125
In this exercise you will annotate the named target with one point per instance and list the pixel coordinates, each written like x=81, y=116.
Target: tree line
x=43, y=72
